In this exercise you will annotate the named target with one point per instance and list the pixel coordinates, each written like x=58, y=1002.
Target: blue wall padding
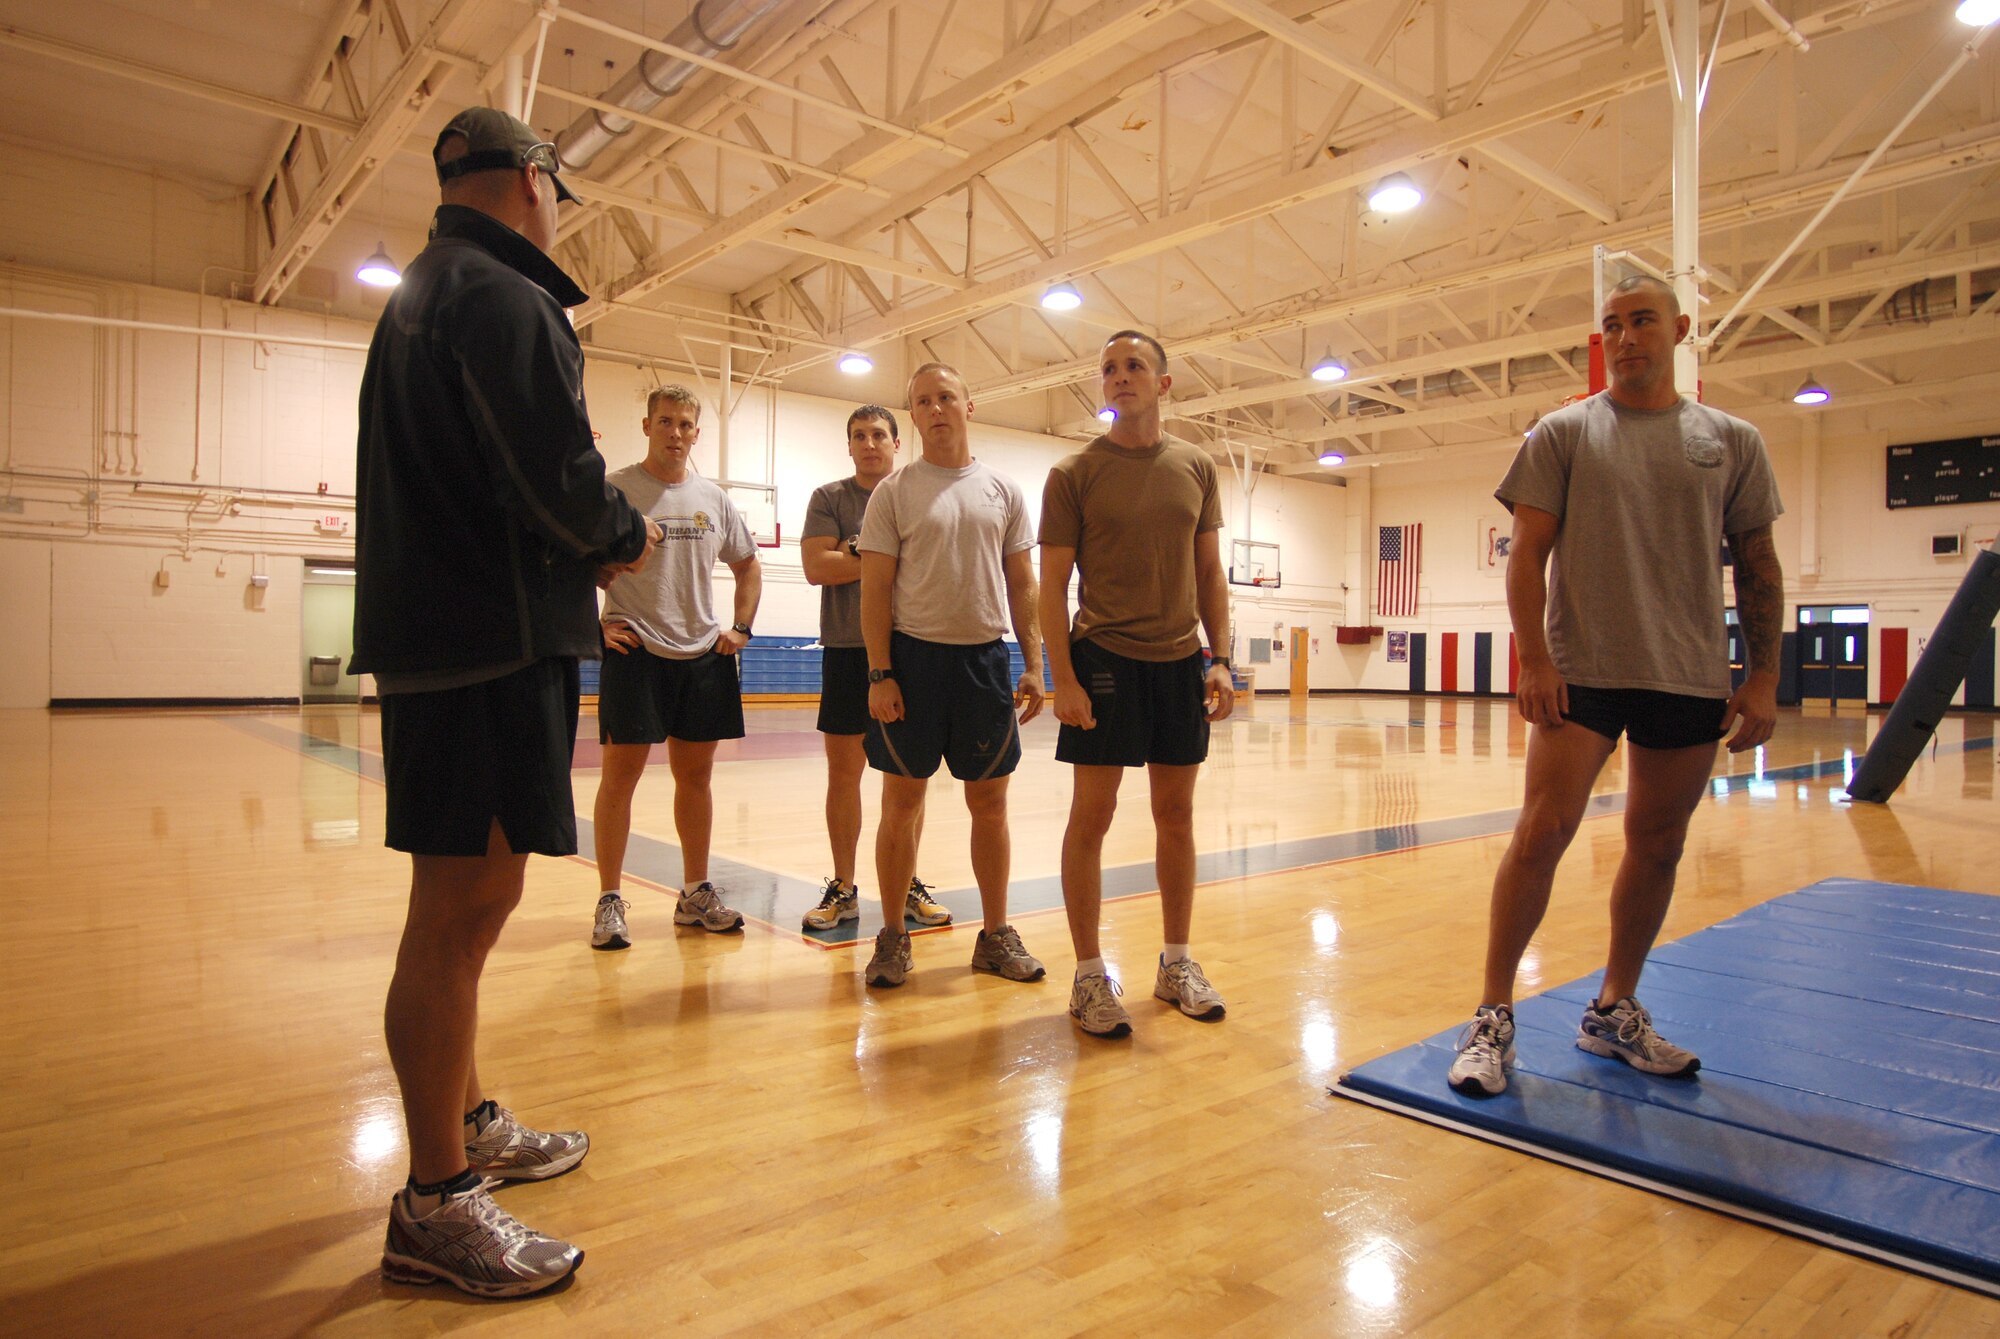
x=1850, y=1043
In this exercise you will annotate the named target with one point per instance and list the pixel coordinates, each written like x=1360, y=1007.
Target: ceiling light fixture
x=378, y=271
x=1329, y=368
x=1395, y=194
x=1062, y=297
x=1331, y=458
x=855, y=363
x=1810, y=392
x=1978, y=13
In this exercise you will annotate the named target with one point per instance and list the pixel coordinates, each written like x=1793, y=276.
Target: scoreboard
x=1941, y=474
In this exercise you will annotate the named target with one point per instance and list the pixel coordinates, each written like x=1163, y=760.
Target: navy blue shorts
x=958, y=708
x=647, y=699
x=1147, y=711
x=843, y=690
x=1653, y=720
x=457, y=759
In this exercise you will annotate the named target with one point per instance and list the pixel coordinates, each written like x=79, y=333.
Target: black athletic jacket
x=483, y=513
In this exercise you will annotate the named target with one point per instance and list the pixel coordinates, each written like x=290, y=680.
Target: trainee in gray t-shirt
x=835, y=513
x=669, y=602
x=1644, y=499
x=948, y=529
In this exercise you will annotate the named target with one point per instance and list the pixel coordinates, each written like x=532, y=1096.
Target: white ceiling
x=1537, y=128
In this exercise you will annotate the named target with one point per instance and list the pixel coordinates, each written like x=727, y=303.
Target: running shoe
x=1093, y=1003
x=702, y=905
x=837, y=903
x=507, y=1150
x=1003, y=954
x=922, y=908
x=891, y=964
x=1485, y=1053
x=1182, y=985
x=1625, y=1032
x=474, y=1245
x=608, y=932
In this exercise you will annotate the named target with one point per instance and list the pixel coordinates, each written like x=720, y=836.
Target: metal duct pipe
x=710, y=29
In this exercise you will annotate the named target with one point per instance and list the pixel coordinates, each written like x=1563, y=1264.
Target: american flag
x=1402, y=555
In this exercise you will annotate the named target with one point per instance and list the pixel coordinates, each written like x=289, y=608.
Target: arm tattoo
x=1760, y=596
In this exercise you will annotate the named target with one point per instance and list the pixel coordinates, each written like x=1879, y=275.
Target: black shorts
x=1147, y=711
x=958, y=708
x=647, y=699
x=843, y=690
x=458, y=759
x=1652, y=720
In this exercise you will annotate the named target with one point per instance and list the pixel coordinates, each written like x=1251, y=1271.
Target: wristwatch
x=743, y=628
x=1222, y=661
x=854, y=546
x=881, y=676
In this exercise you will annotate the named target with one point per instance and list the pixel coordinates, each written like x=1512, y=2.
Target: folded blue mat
x=1850, y=1081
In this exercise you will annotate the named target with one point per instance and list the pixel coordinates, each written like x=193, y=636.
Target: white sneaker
x=702, y=905
x=474, y=1245
x=1093, y=1003
x=1626, y=1033
x=609, y=931
x=1485, y=1053
x=1182, y=985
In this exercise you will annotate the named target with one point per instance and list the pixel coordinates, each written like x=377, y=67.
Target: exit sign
x=333, y=524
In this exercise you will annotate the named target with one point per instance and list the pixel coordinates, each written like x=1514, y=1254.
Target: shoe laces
x=1636, y=1027
x=920, y=892
x=1009, y=939
x=616, y=905
x=833, y=895
x=1481, y=1037
x=703, y=896
x=486, y=1211
x=1188, y=971
x=1090, y=990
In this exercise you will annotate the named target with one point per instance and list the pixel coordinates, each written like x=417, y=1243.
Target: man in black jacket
x=484, y=521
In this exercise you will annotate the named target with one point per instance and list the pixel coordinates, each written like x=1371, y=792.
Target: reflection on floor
x=202, y=920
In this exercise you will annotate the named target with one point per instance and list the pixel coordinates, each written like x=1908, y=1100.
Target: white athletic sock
x=1173, y=952
x=1089, y=967
x=609, y=892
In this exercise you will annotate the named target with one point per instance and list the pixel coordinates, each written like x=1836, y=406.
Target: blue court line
x=777, y=900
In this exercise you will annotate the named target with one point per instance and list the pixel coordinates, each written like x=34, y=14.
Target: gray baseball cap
x=493, y=139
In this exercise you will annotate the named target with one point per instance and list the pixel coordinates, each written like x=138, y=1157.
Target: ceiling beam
x=105, y=63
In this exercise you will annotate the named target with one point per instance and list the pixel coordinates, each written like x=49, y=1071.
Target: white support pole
x=1685, y=54
x=725, y=381
x=512, y=86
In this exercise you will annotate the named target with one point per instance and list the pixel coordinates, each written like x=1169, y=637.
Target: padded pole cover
x=1939, y=672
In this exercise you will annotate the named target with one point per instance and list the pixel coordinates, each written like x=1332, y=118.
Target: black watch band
x=854, y=546
x=881, y=676
x=743, y=628
x=1223, y=661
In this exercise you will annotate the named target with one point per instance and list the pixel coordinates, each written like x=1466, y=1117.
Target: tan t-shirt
x=1132, y=517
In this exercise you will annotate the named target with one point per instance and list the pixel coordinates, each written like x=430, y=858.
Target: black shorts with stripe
x=1146, y=711
x=958, y=708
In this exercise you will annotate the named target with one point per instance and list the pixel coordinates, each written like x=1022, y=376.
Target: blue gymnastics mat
x=1849, y=1092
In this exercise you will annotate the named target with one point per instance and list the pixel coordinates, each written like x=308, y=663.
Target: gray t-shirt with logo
x=948, y=529
x=670, y=601
x=1644, y=499
x=835, y=513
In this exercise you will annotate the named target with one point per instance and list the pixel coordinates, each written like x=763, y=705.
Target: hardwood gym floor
x=203, y=1130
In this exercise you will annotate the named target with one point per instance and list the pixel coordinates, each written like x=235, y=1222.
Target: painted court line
x=776, y=901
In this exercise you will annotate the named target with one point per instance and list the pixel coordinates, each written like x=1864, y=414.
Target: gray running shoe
x=1626, y=1033
x=891, y=963
x=609, y=931
x=1093, y=1003
x=474, y=1245
x=702, y=905
x=1485, y=1053
x=921, y=907
x=1003, y=954
x=1181, y=984
x=507, y=1150
x=836, y=904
